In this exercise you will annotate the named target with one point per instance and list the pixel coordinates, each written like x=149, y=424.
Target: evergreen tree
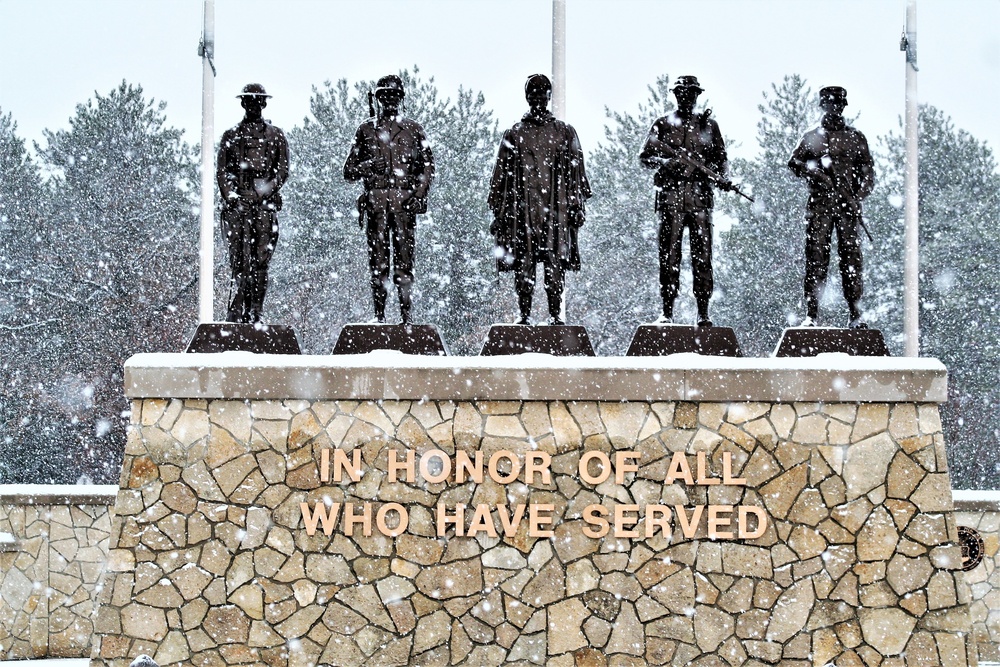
x=959, y=205
x=111, y=273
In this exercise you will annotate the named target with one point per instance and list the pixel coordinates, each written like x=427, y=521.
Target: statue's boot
x=857, y=321
x=703, y=319
x=405, y=302
x=524, y=305
x=378, y=297
x=555, y=307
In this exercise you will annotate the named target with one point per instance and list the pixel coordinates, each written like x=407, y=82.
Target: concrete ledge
x=976, y=500
x=536, y=377
x=58, y=494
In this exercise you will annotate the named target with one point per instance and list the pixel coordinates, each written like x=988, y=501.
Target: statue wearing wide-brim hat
x=253, y=90
x=688, y=82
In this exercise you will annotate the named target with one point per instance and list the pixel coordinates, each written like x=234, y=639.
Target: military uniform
x=537, y=196
x=252, y=166
x=684, y=197
x=392, y=199
x=837, y=164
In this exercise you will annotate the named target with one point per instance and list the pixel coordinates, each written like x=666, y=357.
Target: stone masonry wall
x=984, y=580
x=50, y=570
x=211, y=565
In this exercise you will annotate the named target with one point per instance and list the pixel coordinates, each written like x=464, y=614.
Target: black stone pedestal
x=560, y=341
x=810, y=341
x=230, y=336
x=406, y=338
x=658, y=340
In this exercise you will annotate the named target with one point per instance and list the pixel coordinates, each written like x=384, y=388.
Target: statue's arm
x=223, y=178
x=865, y=169
x=281, y=168
x=357, y=167
x=426, y=176
x=652, y=154
x=503, y=173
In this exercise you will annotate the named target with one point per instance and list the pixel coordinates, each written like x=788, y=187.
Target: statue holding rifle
x=392, y=157
x=252, y=166
x=837, y=165
x=689, y=154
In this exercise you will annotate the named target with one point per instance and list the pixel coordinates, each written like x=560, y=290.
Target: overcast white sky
x=56, y=53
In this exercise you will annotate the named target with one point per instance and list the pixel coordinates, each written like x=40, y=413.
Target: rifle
x=371, y=104
x=847, y=195
x=721, y=181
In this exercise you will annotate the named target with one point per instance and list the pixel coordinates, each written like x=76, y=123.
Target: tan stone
x=711, y=627
x=877, y=538
x=564, y=626
x=627, y=634
x=886, y=630
x=867, y=462
x=570, y=543
x=791, y=612
x=564, y=428
x=676, y=592
x=227, y=625
x=144, y=622
x=456, y=579
x=941, y=591
x=547, y=586
x=933, y=494
x=811, y=429
x=781, y=493
x=743, y=560
x=872, y=418
x=809, y=508
x=908, y=574
x=365, y=600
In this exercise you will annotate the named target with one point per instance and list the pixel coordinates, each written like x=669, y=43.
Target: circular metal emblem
x=972, y=547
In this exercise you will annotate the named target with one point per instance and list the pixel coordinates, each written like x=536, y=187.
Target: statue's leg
x=849, y=251
x=555, y=282
x=700, y=224
x=524, y=284
x=378, y=260
x=236, y=230
x=403, y=243
x=265, y=238
x=818, y=231
x=671, y=233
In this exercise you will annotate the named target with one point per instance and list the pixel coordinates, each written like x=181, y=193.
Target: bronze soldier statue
x=251, y=168
x=537, y=196
x=837, y=165
x=689, y=154
x=393, y=158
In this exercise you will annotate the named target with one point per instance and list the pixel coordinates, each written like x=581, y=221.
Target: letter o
x=515, y=467
x=404, y=520
x=425, y=471
x=605, y=467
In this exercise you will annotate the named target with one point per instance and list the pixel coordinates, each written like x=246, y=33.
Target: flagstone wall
x=53, y=547
x=211, y=562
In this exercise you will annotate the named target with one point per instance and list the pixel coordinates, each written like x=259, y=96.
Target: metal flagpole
x=559, y=59
x=911, y=257
x=206, y=49
x=559, y=84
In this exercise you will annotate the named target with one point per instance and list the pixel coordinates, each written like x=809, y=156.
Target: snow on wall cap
x=381, y=375
x=976, y=500
x=58, y=494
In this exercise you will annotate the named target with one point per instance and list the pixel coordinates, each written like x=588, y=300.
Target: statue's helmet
x=687, y=82
x=537, y=83
x=833, y=94
x=390, y=83
x=253, y=90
